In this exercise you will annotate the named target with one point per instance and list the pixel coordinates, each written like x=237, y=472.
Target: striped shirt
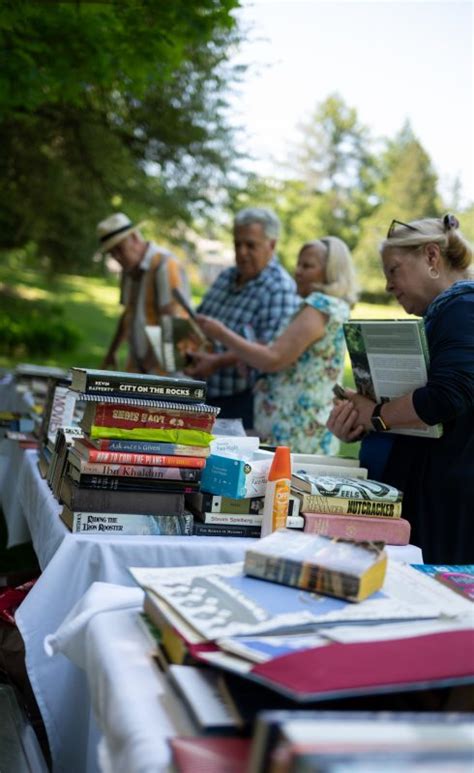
x=256, y=310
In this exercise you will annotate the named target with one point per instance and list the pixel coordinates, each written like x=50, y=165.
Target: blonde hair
x=454, y=247
x=341, y=280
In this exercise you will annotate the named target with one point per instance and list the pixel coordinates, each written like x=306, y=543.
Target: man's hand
x=203, y=364
x=210, y=326
x=344, y=421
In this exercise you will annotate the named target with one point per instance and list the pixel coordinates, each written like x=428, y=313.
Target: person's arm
x=308, y=326
x=204, y=364
x=110, y=359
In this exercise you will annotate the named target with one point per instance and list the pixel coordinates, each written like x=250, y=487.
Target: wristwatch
x=378, y=422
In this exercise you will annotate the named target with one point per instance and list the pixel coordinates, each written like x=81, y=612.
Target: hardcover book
x=127, y=524
x=214, y=503
x=350, y=488
x=132, y=483
x=392, y=531
x=110, y=383
x=151, y=502
x=210, y=754
x=225, y=530
x=81, y=467
x=314, y=503
x=340, y=568
x=180, y=335
x=389, y=358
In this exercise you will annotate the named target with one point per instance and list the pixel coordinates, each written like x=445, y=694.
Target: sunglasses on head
x=394, y=224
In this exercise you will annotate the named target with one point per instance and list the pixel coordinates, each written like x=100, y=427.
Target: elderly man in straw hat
x=150, y=273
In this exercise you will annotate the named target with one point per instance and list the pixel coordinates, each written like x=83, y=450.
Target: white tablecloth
x=134, y=712
x=70, y=564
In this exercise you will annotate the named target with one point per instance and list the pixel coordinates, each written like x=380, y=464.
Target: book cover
x=110, y=383
x=220, y=600
x=214, y=503
x=105, y=501
x=210, y=754
x=231, y=519
x=131, y=416
x=392, y=531
x=314, y=503
x=340, y=568
x=58, y=410
x=88, y=452
x=457, y=577
x=225, y=530
x=351, y=733
x=144, y=447
x=389, y=358
x=126, y=483
x=180, y=335
x=126, y=523
x=81, y=467
x=351, y=488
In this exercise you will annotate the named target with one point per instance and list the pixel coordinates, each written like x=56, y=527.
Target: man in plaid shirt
x=254, y=299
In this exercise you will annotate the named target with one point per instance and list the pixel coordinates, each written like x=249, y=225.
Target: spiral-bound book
x=105, y=383
x=148, y=404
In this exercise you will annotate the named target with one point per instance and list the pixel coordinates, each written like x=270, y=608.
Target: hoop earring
x=433, y=273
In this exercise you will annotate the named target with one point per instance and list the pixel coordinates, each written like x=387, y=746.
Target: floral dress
x=292, y=407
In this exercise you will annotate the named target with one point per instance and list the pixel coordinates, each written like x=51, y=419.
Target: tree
x=102, y=103
x=407, y=190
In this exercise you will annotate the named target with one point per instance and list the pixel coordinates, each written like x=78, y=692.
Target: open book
x=389, y=358
x=174, y=338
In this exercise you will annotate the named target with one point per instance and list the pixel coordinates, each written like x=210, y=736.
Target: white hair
x=265, y=217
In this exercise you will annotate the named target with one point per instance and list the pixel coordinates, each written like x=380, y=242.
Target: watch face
x=378, y=424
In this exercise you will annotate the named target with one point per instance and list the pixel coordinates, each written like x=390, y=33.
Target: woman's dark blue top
x=437, y=476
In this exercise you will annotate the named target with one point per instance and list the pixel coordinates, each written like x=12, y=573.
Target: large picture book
x=127, y=524
x=333, y=567
x=389, y=358
x=108, y=383
x=220, y=600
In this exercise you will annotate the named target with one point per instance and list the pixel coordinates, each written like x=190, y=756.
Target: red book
x=91, y=454
x=212, y=755
x=123, y=416
x=393, y=531
x=135, y=471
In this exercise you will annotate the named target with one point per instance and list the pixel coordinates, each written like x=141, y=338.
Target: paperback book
x=350, y=488
x=88, y=452
x=127, y=524
x=144, y=447
x=132, y=483
x=81, y=468
x=390, y=358
x=336, y=505
x=392, y=531
x=333, y=567
x=112, y=383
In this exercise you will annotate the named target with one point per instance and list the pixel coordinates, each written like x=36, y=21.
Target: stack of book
x=269, y=636
x=337, y=500
x=144, y=444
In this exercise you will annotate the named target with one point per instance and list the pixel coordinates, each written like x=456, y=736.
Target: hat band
x=118, y=231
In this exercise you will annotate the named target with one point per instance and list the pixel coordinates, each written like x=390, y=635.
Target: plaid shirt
x=256, y=310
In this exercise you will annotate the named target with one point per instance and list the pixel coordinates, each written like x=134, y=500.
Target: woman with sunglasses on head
x=293, y=400
x=427, y=264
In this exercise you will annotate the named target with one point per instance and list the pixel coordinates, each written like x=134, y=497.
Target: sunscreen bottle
x=277, y=492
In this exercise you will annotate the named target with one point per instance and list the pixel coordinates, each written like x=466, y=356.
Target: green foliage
x=108, y=103
x=34, y=328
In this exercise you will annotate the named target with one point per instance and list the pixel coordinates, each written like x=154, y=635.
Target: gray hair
x=265, y=217
x=341, y=280
x=432, y=230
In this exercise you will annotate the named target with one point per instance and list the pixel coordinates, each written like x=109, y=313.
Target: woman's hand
x=344, y=421
x=364, y=407
x=211, y=327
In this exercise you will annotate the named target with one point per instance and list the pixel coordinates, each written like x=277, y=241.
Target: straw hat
x=114, y=229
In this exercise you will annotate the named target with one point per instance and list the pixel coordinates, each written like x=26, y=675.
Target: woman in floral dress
x=293, y=399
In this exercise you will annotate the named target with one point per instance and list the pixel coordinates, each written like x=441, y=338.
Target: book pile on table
x=281, y=631
x=144, y=444
x=23, y=398
x=336, y=499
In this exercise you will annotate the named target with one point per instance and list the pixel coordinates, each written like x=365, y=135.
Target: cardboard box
x=237, y=478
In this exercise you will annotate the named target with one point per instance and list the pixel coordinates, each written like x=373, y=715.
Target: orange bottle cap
x=281, y=464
